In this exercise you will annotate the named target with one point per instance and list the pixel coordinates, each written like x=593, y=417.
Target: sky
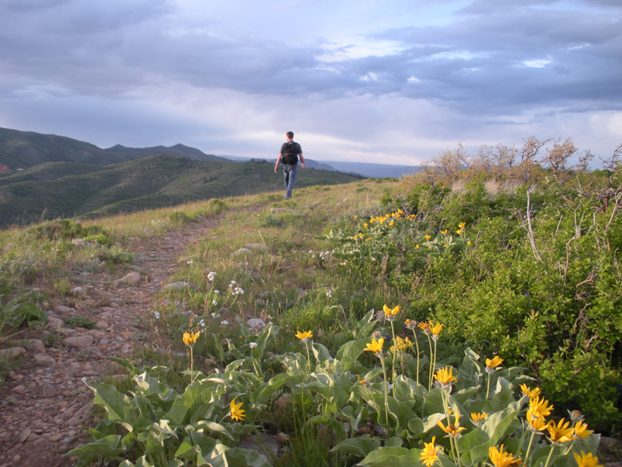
x=392, y=81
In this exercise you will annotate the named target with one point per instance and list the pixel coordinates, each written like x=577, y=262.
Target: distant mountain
x=24, y=149
x=62, y=189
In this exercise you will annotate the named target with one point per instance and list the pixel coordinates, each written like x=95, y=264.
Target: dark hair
x=290, y=134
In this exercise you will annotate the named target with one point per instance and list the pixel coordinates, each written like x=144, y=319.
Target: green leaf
x=239, y=457
x=113, y=402
x=392, y=456
x=320, y=352
x=349, y=352
x=358, y=447
x=215, y=428
x=108, y=447
x=271, y=387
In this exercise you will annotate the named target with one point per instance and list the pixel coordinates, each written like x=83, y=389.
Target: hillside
x=23, y=149
x=64, y=189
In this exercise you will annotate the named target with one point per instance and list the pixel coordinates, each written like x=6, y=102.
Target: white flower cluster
x=202, y=323
x=235, y=288
x=211, y=276
x=156, y=314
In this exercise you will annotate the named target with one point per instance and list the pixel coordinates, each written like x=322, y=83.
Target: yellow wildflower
x=586, y=459
x=390, y=313
x=560, y=433
x=429, y=453
x=452, y=430
x=580, y=430
x=492, y=364
x=445, y=376
x=417, y=246
x=540, y=407
x=190, y=338
x=477, y=418
x=444, y=232
x=461, y=225
x=304, y=336
x=531, y=393
x=536, y=422
x=425, y=327
x=236, y=412
x=401, y=345
x=427, y=237
x=501, y=458
x=375, y=346
x=436, y=329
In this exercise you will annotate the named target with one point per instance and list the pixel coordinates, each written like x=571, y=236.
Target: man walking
x=290, y=152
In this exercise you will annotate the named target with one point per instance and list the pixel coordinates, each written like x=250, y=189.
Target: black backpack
x=289, y=152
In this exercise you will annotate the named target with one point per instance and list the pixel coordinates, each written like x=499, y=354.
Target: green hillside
x=44, y=191
x=23, y=149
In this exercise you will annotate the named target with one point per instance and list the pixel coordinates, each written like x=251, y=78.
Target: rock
x=81, y=415
x=43, y=359
x=78, y=291
x=55, y=323
x=101, y=324
x=79, y=342
x=21, y=389
x=132, y=278
x=256, y=324
x=256, y=247
x=23, y=436
x=177, y=286
x=12, y=353
x=35, y=345
x=54, y=436
x=62, y=309
x=241, y=252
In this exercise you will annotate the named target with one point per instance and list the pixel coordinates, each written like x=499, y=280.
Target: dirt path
x=44, y=405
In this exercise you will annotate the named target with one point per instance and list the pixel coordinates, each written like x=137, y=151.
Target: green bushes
x=540, y=288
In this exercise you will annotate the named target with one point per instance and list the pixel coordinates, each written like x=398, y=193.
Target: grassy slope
x=141, y=184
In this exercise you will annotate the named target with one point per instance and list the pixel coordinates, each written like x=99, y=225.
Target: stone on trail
x=43, y=359
x=241, y=252
x=36, y=345
x=78, y=291
x=256, y=324
x=55, y=323
x=79, y=342
x=12, y=353
x=62, y=309
x=177, y=285
x=132, y=278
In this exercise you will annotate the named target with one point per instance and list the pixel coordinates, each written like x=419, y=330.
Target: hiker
x=290, y=151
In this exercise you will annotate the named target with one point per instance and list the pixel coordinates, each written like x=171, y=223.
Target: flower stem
x=308, y=356
x=488, y=387
x=431, y=369
x=393, y=372
x=418, y=353
x=386, y=391
x=548, y=459
x=533, y=435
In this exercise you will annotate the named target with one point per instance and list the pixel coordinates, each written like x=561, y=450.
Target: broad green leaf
x=349, y=352
x=239, y=457
x=498, y=423
x=217, y=457
x=392, y=456
x=271, y=387
x=108, y=447
x=320, y=352
x=359, y=447
x=116, y=405
x=178, y=411
x=215, y=428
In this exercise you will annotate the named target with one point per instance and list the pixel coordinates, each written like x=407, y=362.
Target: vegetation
x=469, y=315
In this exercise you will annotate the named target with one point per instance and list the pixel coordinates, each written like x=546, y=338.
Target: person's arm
x=276, y=163
x=302, y=160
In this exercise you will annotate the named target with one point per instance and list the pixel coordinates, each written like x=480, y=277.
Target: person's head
x=290, y=135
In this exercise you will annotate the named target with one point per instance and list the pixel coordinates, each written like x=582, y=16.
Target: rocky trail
x=44, y=404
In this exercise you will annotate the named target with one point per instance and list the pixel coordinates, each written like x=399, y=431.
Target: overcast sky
x=392, y=81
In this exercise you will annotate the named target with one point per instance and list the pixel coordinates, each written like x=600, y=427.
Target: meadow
x=456, y=317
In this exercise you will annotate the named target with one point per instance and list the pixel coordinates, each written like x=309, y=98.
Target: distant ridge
x=53, y=176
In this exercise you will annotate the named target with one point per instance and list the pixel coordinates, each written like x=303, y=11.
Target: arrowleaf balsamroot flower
x=190, y=338
x=236, y=412
x=477, y=418
x=536, y=423
x=429, y=453
x=501, y=458
x=560, y=433
x=586, y=459
x=452, y=430
x=375, y=346
x=531, y=393
x=390, y=313
x=580, y=430
x=445, y=377
x=436, y=329
x=493, y=363
x=540, y=407
x=304, y=336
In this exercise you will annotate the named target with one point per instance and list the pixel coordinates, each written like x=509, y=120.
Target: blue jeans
x=289, y=174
